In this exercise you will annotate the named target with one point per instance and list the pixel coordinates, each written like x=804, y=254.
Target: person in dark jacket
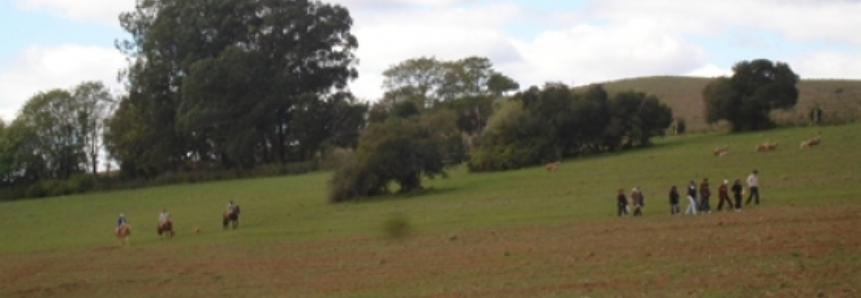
x=674, y=201
x=622, y=202
x=736, y=193
x=705, y=193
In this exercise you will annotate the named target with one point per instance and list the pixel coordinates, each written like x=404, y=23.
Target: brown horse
x=123, y=234
x=165, y=229
x=231, y=217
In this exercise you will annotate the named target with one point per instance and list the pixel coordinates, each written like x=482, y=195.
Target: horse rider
x=121, y=221
x=163, y=217
x=230, y=207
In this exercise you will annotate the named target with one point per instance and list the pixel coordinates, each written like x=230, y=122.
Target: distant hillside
x=839, y=99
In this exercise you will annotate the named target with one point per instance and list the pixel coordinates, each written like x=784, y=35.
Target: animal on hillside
x=772, y=146
x=811, y=142
x=767, y=146
x=231, y=217
x=553, y=166
x=721, y=151
x=123, y=234
x=165, y=229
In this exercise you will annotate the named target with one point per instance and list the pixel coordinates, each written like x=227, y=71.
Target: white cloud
x=827, y=65
x=798, y=20
x=709, y=71
x=587, y=54
x=392, y=4
x=447, y=33
x=40, y=69
x=100, y=11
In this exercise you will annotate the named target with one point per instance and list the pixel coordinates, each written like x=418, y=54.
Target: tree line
x=239, y=85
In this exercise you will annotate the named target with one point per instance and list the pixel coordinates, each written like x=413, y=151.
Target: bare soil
x=759, y=252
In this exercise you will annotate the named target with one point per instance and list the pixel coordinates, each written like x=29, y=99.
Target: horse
x=231, y=217
x=123, y=234
x=165, y=229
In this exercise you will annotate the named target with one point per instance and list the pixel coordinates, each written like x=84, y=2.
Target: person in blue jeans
x=120, y=221
x=753, y=184
x=692, y=199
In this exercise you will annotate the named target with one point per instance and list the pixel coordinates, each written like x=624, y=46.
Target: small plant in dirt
x=396, y=226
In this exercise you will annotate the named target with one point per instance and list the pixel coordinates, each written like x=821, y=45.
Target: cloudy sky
x=50, y=44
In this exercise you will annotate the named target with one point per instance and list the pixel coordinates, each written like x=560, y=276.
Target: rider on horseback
x=230, y=207
x=163, y=217
x=121, y=221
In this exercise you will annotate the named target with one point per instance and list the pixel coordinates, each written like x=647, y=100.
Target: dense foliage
x=755, y=89
x=549, y=124
x=234, y=84
x=56, y=136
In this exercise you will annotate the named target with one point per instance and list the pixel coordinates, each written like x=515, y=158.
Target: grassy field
x=526, y=233
x=840, y=100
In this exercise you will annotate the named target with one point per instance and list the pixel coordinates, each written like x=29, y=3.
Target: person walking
x=723, y=195
x=674, y=201
x=753, y=185
x=705, y=193
x=622, y=202
x=638, y=200
x=736, y=192
x=692, y=199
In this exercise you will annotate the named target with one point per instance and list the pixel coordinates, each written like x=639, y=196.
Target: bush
x=352, y=182
x=35, y=191
x=337, y=158
x=396, y=226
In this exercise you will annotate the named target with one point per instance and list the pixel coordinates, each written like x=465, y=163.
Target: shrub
x=396, y=226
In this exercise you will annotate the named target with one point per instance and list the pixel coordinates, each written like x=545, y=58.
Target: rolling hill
x=840, y=100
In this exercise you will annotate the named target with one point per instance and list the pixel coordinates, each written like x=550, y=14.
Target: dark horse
x=165, y=229
x=231, y=217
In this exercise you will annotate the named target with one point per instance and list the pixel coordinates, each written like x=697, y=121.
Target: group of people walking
x=698, y=198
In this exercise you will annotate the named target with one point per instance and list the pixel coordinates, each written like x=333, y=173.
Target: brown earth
x=760, y=252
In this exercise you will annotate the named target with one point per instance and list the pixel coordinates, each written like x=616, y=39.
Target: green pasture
x=294, y=208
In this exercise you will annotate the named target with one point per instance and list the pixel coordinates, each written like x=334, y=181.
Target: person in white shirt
x=753, y=185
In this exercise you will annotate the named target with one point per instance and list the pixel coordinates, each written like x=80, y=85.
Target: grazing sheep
x=553, y=166
x=771, y=146
x=721, y=151
x=811, y=142
x=767, y=146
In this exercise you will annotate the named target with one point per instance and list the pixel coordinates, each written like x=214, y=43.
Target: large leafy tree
x=428, y=81
x=50, y=130
x=755, y=89
x=555, y=122
x=466, y=86
x=95, y=104
x=222, y=81
x=403, y=149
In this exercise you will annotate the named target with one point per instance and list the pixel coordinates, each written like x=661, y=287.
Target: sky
x=49, y=44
